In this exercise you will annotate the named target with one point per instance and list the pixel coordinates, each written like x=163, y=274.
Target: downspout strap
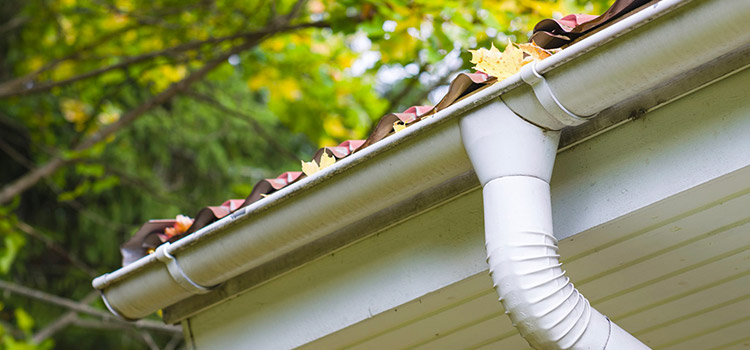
x=547, y=98
x=177, y=273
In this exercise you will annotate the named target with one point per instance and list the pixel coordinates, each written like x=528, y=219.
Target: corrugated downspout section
x=522, y=253
x=513, y=160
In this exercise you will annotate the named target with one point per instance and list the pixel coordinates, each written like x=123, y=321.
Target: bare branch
x=14, y=23
x=18, y=157
x=30, y=179
x=246, y=118
x=15, y=155
x=96, y=324
x=295, y=10
x=85, y=309
x=75, y=261
x=174, y=342
x=20, y=82
x=63, y=321
x=147, y=339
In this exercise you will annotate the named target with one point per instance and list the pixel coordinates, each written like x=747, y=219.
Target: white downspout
x=513, y=160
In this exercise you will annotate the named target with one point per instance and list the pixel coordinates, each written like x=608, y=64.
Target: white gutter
x=586, y=78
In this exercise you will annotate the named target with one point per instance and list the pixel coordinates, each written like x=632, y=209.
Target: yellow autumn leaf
x=326, y=161
x=74, y=111
x=504, y=64
x=310, y=168
x=498, y=64
x=534, y=51
x=398, y=126
x=108, y=117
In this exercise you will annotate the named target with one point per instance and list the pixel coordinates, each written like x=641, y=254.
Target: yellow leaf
x=398, y=126
x=310, y=168
x=534, y=51
x=74, y=111
x=326, y=161
x=286, y=88
x=504, y=64
x=498, y=64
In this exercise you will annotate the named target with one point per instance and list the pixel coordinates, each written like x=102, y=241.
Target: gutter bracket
x=178, y=274
x=547, y=98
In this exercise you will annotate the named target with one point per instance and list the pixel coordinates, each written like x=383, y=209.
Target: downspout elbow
x=513, y=160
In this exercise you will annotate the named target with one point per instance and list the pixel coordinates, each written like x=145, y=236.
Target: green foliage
x=73, y=68
x=24, y=323
x=12, y=240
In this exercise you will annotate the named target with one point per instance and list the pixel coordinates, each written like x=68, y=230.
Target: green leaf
x=104, y=184
x=12, y=244
x=24, y=320
x=95, y=170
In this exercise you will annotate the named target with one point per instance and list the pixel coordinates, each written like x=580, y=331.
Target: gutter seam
x=178, y=274
x=547, y=98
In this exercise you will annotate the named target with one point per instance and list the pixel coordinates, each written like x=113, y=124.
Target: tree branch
x=20, y=82
x=174, y=342
x=13, y=23
x=246, y=118
x=85, y=309
x=15, y=155
x=146, y=337
x=17, y=87
x=63, y=321
x=21, y=159
x=32, y=177
x=75, y=261
x=96, y=324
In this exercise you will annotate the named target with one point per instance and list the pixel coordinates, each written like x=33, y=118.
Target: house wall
x=628, y=206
